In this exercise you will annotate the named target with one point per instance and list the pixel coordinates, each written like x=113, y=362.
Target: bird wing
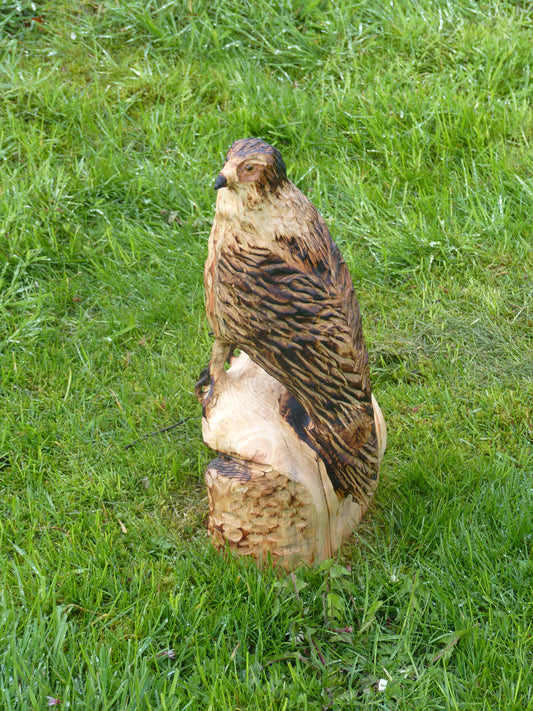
x=298, y=318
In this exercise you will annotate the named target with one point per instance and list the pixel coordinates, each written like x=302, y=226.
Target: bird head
x=251, y=161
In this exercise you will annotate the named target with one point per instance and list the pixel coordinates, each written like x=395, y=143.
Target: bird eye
x=249, y=168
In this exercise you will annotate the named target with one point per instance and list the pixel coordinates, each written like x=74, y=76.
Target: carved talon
x=203, y=385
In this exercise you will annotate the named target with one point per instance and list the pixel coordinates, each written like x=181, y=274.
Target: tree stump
x=269, y=492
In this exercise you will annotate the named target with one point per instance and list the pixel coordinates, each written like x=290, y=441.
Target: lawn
x=410, y=125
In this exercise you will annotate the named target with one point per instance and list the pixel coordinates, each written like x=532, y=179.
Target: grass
x=409, y=124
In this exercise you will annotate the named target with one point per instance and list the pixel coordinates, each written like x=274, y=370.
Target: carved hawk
x=277, y=288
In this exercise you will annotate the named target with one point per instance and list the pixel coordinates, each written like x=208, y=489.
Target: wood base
x=257, y=511
x=269, y=493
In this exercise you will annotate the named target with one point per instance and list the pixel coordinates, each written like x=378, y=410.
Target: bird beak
x=220, y=182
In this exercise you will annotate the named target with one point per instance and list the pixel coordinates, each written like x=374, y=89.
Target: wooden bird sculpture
x=278, y=289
